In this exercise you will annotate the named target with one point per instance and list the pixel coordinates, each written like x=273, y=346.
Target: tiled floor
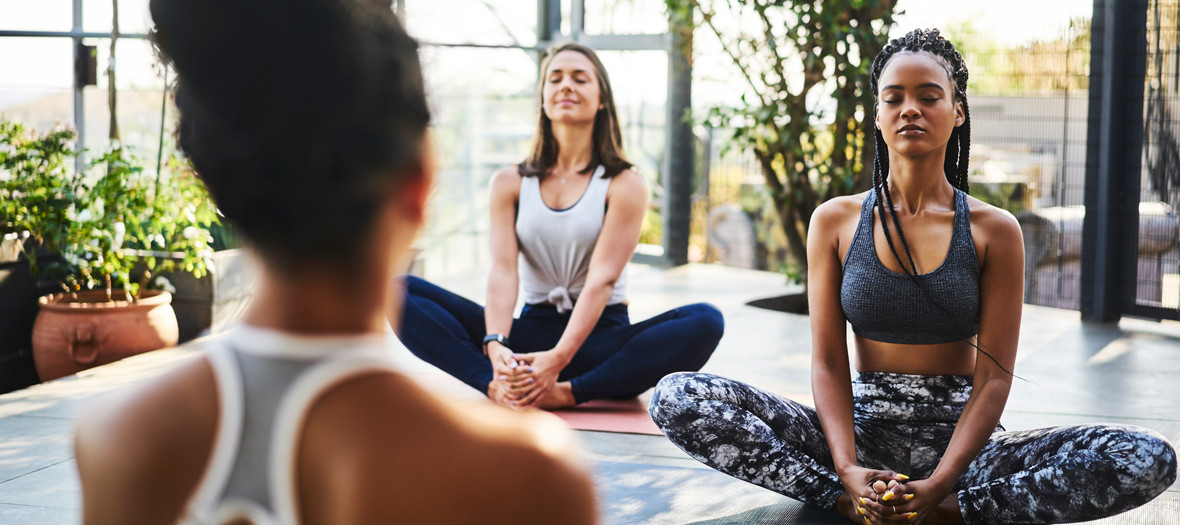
x=1073, y=373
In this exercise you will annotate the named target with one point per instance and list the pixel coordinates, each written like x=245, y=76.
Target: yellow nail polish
x=861, y=510
x=903, y=477
x=888, y=496
x=909, y=497
x=867, y=522
x=864, y=501
x=911, y=516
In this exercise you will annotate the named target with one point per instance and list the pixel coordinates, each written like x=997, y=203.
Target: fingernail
x=530, y=369
x=861, y=510
x=530, y=381
x=909, y=497
x=903, y=477
x=888, y=496
x=911, y=516
x=503, y=378
x=864, y=501
x=867, y=522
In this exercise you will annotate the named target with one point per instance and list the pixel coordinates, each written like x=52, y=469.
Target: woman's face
x=916, y=108
x=570, y=94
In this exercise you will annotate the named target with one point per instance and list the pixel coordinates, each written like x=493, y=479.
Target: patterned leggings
x=904, y=423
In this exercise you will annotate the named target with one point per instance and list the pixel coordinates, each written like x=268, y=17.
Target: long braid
x=958, y=152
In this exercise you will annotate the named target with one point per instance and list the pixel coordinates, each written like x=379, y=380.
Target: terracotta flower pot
x=71, y=335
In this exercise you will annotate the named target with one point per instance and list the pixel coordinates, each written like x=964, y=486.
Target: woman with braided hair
x=931, y=281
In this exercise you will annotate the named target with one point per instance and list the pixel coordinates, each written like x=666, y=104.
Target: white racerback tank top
x=266, y=381
x=556, y=245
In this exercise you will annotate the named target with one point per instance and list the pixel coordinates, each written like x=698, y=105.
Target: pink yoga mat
x=604, y=415
x=612, y=415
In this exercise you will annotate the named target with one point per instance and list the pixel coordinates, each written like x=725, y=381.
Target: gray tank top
x=266, y=381
x=883, y=305
x=556, y=245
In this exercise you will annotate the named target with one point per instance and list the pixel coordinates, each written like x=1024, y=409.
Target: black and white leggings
x=903, y=423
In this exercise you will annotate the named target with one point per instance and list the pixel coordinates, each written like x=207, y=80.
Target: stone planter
x=216, y=301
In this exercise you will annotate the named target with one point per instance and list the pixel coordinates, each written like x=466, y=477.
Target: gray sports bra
x=883, y=305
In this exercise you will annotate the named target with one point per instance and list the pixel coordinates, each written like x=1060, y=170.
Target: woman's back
x=373, y=447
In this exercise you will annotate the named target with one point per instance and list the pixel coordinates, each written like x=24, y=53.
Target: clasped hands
x=521, y=380
x=886, y=497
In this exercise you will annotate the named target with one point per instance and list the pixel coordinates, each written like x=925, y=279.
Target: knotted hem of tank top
x=560, y=298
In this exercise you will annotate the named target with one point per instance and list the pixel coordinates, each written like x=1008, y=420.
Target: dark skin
x=917, y=112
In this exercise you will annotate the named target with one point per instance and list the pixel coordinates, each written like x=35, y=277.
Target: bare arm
x=503, y=280
x=831, y=382
x=1001, y=288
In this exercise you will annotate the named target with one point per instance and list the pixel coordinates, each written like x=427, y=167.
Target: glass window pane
x=625, y=17
x=483, y=104
x=488, y=22
x=38, y=93
x=639, y=80
x=39, y=15
x=134, y=17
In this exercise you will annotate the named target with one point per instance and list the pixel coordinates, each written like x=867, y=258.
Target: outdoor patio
x=1074, y=373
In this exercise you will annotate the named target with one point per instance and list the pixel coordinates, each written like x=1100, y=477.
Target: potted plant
x=115, y=227
x=35, y=189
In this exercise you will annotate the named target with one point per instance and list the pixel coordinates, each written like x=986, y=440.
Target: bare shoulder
x=628, y=180
x=448, y=462
x=149, y=438
x=996, y=224
x=833, y=214
x=627, y=187
x=506, y=179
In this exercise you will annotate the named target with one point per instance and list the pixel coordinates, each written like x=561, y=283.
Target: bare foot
x=560, y=396
x=499, y=396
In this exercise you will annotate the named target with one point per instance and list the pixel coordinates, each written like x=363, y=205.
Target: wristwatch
x=494, y=337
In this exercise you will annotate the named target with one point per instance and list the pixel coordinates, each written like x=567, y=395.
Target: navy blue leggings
x=617, y=360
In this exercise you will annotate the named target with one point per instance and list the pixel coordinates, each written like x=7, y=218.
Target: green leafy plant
x=37, y=187
x=804, y=115
x=114, y=224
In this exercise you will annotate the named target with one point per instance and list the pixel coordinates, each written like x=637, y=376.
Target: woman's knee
x=675, y=393
x=707, y=326
x=1142, y=455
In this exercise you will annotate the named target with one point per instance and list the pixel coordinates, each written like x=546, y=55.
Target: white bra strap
x=229, y=430
x=289, y=424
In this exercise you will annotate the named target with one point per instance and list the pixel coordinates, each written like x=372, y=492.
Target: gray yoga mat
x=637, y=493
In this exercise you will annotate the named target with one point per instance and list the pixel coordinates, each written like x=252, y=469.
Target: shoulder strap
x=290, y=419
x=228, y=375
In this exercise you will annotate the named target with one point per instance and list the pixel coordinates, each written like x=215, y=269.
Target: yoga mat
x=604, y=415
x=638, y=493
x=612, y=415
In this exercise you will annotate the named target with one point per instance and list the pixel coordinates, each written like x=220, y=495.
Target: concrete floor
x=1074, y=373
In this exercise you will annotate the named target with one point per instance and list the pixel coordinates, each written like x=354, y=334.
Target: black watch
x=494, y=337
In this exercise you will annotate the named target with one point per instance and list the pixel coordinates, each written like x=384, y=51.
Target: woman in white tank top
x=564, y=224
x=307, y=121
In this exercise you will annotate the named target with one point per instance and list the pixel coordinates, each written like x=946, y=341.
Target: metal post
x=680, y=147
x=79, y=100
x=577, y=19
x=1118, y=65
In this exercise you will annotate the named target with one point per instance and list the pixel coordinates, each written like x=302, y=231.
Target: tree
x=807, y=64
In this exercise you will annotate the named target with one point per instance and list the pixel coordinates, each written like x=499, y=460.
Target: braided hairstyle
x=958, y=150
